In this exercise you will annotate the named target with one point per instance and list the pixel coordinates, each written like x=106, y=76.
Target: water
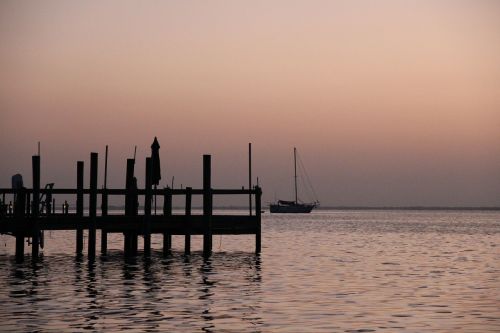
x=330, y=271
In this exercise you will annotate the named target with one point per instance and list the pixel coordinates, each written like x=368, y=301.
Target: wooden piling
x=79, y=206
x=167, y=211
x=250, y=177
x=187, y=237
x=92, y=206
x=35, y=243
x=128, y=243
x=147, y=207
x=258, y=214
x=207, y=206
x=104, y=205
x=20, y=220
x=135, y=212
x=104, y=212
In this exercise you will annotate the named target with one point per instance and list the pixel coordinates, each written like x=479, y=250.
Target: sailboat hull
x=291, y=209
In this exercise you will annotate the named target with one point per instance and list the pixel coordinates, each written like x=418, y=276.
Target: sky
x=389, y=103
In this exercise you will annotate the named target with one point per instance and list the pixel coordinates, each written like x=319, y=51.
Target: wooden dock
x=25, y=218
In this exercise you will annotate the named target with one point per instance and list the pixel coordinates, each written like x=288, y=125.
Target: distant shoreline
x=407, y=208
x=453, y=208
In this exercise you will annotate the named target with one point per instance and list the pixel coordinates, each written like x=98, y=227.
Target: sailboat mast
x=295, y=171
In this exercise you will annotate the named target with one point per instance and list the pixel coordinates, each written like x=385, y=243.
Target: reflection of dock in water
x=27, y=220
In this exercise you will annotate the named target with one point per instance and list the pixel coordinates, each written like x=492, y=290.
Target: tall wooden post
x=147, y=208
x=167, y=212
x=104, y=212
x=19, y=217
x=187, y=237
x=135, y=212
x=92, y=206
x=79, y=207
x=35, y=244
x=128, y=243
x=104, y=205
x=207, y=206
x=250, y=177
x=258, y=214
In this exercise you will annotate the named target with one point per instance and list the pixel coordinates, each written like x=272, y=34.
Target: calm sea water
x=330, y=271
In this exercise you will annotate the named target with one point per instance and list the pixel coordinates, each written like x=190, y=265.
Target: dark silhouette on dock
x=155, y=164
x=27, y=220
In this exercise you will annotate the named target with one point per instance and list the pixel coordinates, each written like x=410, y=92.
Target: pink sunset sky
x=390, y=103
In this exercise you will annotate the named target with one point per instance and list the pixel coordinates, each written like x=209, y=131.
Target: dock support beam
x=187, y=237
x=250, y=176
x=19, y=208
x=258, y=214
x=147, y=208
x=92, y=206
x=104, y=205
x=104, y=212
x=130, y=237
x=167, y=211
x=207, y=206
x=35, y=244
x=79, y=207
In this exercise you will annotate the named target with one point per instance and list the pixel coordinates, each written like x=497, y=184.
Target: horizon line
x=491, y=208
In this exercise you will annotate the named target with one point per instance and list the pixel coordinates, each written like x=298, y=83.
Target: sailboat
x=283, y=206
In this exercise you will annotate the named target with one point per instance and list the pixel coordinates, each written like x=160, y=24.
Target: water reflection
x=347, y=272
x=206, y=292
x=220, y=313
x=153, y=295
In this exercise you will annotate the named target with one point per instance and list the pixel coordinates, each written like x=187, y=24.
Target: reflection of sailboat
x=283, y=206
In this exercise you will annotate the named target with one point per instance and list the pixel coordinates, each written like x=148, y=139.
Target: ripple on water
x=338, y=271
